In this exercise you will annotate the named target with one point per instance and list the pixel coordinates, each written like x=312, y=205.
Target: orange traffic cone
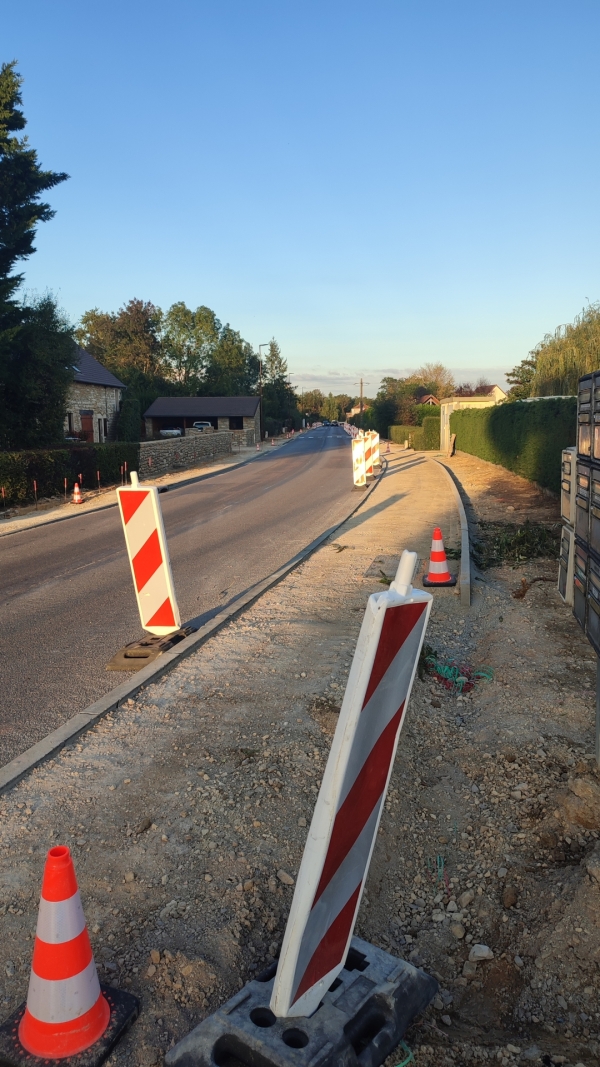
x=438, y=565
x=272, y=440
x=66, y=1011
x=388, y=448
x=77, y=497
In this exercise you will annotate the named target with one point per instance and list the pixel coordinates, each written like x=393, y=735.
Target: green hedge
x=431, y=433
x=525, y=437
x=50, y=468
x=425, y=438
x=415, y=435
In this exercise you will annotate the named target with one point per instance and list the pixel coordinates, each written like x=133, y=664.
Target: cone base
x=432, y=583
x=60, y=1041
x=123, y=1011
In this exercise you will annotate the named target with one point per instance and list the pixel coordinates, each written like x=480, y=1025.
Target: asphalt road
x=66, y=591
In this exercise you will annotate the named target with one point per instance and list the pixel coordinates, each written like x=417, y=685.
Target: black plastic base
x=124, y=1010
x=359, y=488
x=360, y=1020
x=138, y=654
x=438, y=585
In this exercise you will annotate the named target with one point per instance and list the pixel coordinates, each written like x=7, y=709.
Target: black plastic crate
x=580, y=577
x=582, y=502
x=584, y=416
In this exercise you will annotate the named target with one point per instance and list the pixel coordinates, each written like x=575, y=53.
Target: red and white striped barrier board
x=359, y=472
x=344, y=826
x=149, y=557
x=375, y=447
x=368, y=455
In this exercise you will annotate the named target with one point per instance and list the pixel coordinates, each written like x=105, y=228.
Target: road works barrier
x=438, y=573
x=375, y=447
x=149, y=557
x=66, y=1012
x=337, y=1001
x=342, y=833
x=359, y=471
x=368, y=456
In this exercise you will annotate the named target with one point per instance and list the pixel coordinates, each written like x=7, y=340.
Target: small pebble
x=285, y=878
x=480, y=952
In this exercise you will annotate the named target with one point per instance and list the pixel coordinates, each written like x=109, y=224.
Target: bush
x=415, y=435
x=525, y=437
x=426, y=411
x=431, y=433
x=49, y=468
x=129, y=423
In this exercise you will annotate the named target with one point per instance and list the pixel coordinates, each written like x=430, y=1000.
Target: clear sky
x=375, y=184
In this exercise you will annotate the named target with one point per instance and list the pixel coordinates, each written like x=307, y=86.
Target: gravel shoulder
x=187, y=808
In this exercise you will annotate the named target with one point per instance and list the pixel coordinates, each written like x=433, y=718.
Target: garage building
x=223, y=413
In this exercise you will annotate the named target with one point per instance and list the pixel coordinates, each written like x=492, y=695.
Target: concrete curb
x=464, y=578
x=12, y=772
x=161, y=488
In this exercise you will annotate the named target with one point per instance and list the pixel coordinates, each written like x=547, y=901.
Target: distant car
x=326, y=422
x=202, y=426
x=334, y=422
x=176, y=431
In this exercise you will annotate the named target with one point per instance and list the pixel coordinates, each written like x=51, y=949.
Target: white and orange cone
x=273, y=440
x=77, y=497
x=66, y=1011
x=438, y=564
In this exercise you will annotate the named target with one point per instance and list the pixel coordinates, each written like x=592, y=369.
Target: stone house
x=93, y=399
x=223, y=413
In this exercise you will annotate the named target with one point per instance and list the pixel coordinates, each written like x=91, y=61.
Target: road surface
x=66, y=590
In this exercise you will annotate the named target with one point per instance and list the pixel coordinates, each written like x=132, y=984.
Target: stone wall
x=103, y=401
x=180, y=453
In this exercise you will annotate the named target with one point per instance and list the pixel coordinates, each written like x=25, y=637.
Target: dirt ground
x=186, y=810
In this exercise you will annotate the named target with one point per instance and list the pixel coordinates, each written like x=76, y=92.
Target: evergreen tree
x=22, y=181
x=36, y=346
x=38, y=366
x=279, y=399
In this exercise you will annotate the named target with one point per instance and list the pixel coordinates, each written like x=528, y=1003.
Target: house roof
x=87, y=369
x=199, y=407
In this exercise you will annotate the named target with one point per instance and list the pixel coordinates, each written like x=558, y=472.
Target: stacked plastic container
x=567, y=511
x=586, y=572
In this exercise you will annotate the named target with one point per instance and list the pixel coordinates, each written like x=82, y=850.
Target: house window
x=105, y=428
x=100, y=427
x=70, y=422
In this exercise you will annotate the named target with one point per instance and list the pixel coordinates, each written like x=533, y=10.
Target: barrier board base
x=124, y=1010
x=360, y=1020
x=138, y=654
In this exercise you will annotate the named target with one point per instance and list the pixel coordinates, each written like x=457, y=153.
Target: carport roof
x=200, y=407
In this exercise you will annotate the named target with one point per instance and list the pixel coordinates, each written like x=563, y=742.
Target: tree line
x=186, y=352
x=182, y=351
x=554, y=366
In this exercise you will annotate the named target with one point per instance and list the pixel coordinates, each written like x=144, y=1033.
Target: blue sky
x=374, y=184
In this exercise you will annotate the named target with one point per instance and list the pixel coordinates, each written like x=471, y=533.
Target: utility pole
x=361, y=383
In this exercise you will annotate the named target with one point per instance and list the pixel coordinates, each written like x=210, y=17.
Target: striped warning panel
x=149, y=558
x=344, y=826
x=358, y=461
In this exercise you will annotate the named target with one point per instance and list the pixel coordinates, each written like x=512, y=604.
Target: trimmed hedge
x=415, y=435
x=525, y=437
x=431, y=433
x=425, y=438
x=50, y=468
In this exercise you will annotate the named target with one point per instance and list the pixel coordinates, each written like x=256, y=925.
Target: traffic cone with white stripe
x=77, y=497
x=66, y=1011
x=438, y=564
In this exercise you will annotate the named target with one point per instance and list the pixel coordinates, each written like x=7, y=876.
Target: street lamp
x=260, y=386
